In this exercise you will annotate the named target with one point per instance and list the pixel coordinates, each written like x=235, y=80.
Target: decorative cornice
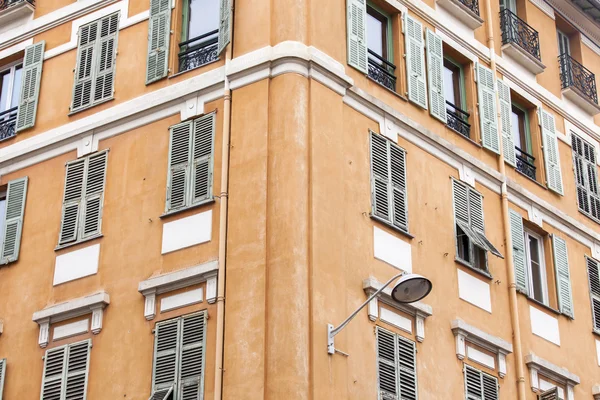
x=545, y=7
x=552, y=371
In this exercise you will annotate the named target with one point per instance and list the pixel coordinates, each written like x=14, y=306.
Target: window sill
x=391, y=226
x=544, y=306
x=193, y=69
x=388, y=89
x=90, y=106
x=181, y=210
x=485, y=274
x=88, y=239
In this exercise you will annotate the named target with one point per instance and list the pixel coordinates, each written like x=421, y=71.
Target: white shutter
x=94, y=194
x=2, y=375
x=479, y=385
x=54, y=374
x=166, y=359
x=517, y=239
x=356, y=26
x=224, y=25
x=13, y=219
x=563, y=278
x=73, y=194
x=30, y=85
x=76, y=374
x=106, y=53
x=380, y=177
x=159, y=33
x=407, y=368
x=508, y=144
x=435, y=66
x=179, y=162
x=594, y=280
x=192, y=359
x=203, y=160
x=415, y=61
x=490, y=387
x=551, y=155
x=487, y=108
x=398, y=184
x=387, y=371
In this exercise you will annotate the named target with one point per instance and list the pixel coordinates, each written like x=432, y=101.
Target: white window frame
x=12, y=68
x=542, y=266
x=560, y=35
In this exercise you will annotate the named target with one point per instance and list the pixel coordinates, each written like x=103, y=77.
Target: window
x=191, y=150
x=510, y=4
x=379, y=44
x=538, y=286
x=66, y=370
x=396, y=366
x=10, y=86
x=564, y=47
x=586, y=177
x=454, y=91
x=199, y=33
x=594, y=280
x=179, y=356
x=479, y=385
x=83, y=199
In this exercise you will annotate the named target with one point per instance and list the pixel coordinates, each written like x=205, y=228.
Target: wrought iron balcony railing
x=198, y=51
x=382, y=71
x=525, y=163
x=456, y=119
x=8, y=121
x=575, y=76
x=516, y=31
x=472, y=5
x=8, y=3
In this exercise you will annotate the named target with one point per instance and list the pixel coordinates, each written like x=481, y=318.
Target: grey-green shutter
x=461, y=202
x=85, y=68
x=508, y=144
x=73, y=194
x=77, y=369
x=95, y=178
x=166, y=359
x=399, y=201
x=487, y=108
x=435, y=77
x=54, y=374
x=473, y=387
x=159, y=32
x=203, y=159
x=356, y=33
x=192, y=360
x=179, y=162
x=13, y=220
x=563, y=278
x=517, y=239
x=30, y=85
x=224, y=25
x=551, y=155
x=2, y=375
x=415, y=61
x=594, y=279
x=407, y=368
x=106, y=53
x=380, y=177
x=387, y=368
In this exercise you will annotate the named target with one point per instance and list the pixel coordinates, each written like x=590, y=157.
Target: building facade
x=192, y=190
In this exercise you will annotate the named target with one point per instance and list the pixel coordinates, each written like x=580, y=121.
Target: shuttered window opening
x=551, y=394
x=594, y=280
x=486, y=94
x=435, y=76
x=191, y=159
x=551, y=155
x=66, y=370
x=414, y=48
x=83, y=198
x=396, y=366
x=508, y=144
x=2, y=375
x=159, y=33
x=30, y=85
x=96, y=58
x=13, y=220
x=179, y=357
x=563, y=276
x=586, y=177
x=479, y=385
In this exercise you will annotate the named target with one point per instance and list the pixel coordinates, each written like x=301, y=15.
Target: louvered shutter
x=224, y=25
x=508, y=144
x=579, y=166
x=551, y=155
x=54, y=374
x=73, y=195
x=487, y=108
x=518, y=245
x=551, y=394
x=203, y=148
x=490, y=387
x=477, y=223
x=415, y=61
x=192, y=347
x=13, y=220
x=94, y=194
x=84, y=70
x=106, y=56
x=461, y=202
x=407, y=369
x=2, y=375
x=78, y=362
x=179, y=162
x=166, y=359
x=398, y=184
x=380, y=177
x=473, y=387
x=589, y=155
x=387, y=371
x=30, y=85
x=435, y=65
x=356, y=25
x=594, y=279
x=159, y=33
x=563, y=279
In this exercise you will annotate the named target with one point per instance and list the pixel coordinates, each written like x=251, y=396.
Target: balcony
x=578, y=84
x=14, y=11
x=382, y=71
x=466, y=11
x=521, y=42
x=8, y=121
x=198, y=51
x=456, y=119
x=525, y=163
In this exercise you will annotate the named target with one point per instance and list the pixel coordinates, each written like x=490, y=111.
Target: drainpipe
x=512, y=287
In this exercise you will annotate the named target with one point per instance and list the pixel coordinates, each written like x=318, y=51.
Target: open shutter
x=589, y=155
x=203, y=150
x=94, y=194
x=563, y=278
x=517, y=239
x=166, y=359
x=30, y=85
x=487, y=108
x=224, y=25
x=78, y=363
x=415, y=61
x=72, y=201
x=380, y=177
x=159, y=32
x=2, y=375
x=398, y=184
x=407, y=368
x=356, y=26
x=13, y=221
x=461, y=202
x=82, y=87
x=490, y=387
x=54, y=373
x=193, y=349
x=387, y=371
x=106, y=51
x=508, y=144
x=551, y=156
x=435, y=66
x=594, y=278
x=179, y=161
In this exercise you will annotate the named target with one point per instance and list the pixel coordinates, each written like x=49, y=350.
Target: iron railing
x=456, y=119
x=576, y=76
x=472, y=5
x=516, y=31
x=198, y=51
x=8, y=122
x=525, y=163
x=382, y=71
x=8, y=3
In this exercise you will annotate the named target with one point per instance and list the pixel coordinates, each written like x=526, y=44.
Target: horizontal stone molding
x=538, y=366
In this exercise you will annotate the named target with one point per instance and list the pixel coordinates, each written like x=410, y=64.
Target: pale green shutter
x=224, y=25
x=106, y=53
x=594, y=280
x=2, y=375
x=179, y=162
x=203, y=156
x=508, y=144
x=435, y=65
x=461, y=202
x=487, y=108
x=415, y=61
x=159, y=32
x=13, y=220
x=356, y=26
x=77, y=369
x=407, y=368
x=192, y=360
x=94, y=194
x=84, y=70
x=54, y=374
x=30, y=85
x=73, y=195
x=387, y=371
x=380, y=177
x=563, y=278
x=398, y=185
x=517, y=239
x=166, y=359
x=551, y=155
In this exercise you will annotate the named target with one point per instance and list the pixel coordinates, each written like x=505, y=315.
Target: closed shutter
x=192, y=345
x=563, y=279
x=398, y=174
x=415, y=61
x=487, y=108
x=203, y=149
x=387, y=371
x=82, y=88
x=518, y=246
x=435, y=65
x=490, y=387
x=356, y=26
x=107, y=53
x=66, y=371
x=179, y=162
x=54, y=374
x=594, y=279
x=30, y=85
x=551, y=394
x=2, y=375
x=508, y=144
x=73, y=195
x=13, y=220
x=224, y=25
x=586, y=177
x=159, y=33
x=479, y=385
x=551, y=155
x=94, y=194
x=166, y=353
x=407, y=370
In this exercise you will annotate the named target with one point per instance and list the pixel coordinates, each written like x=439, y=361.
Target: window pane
x=449, y=77
x=518, y=125
x=537, y=275
x=4, y=86
x=452, y=84
x=16, y=87
x=480, y=260
x=375, y=31
x=203, y=18
x=462, y=243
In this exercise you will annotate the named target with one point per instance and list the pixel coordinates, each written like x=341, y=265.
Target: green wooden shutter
x=84, y=70
x=224, y=25
x=487, y=108
x=551, y=155
x=95, y=178
x=54, y=374
x=2, y=375
x=166, y=359
x=415, y=61
x=380, y=177
x=179, y=162
x=508, y=144
x=399, y=201
x=387, y=368
x=203, y=158
x=356, y=25
x=13, y=220
x=30, y=85
x=563, y=279
x=192, y=360
x=594, y=279
x=518, y=245
x=106, y=52
x=73, y=195
x=159, y=33
x=407, y=368
x=76, y=374
x=435, y=65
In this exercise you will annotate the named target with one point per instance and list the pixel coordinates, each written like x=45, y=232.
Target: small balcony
x=8, y=122
x=456, y=119
x=578, y=84
x=382, y=71
x=196, y=52
x=466, y=11
x=525, y=163
x=521, y=42
x=12, y=11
